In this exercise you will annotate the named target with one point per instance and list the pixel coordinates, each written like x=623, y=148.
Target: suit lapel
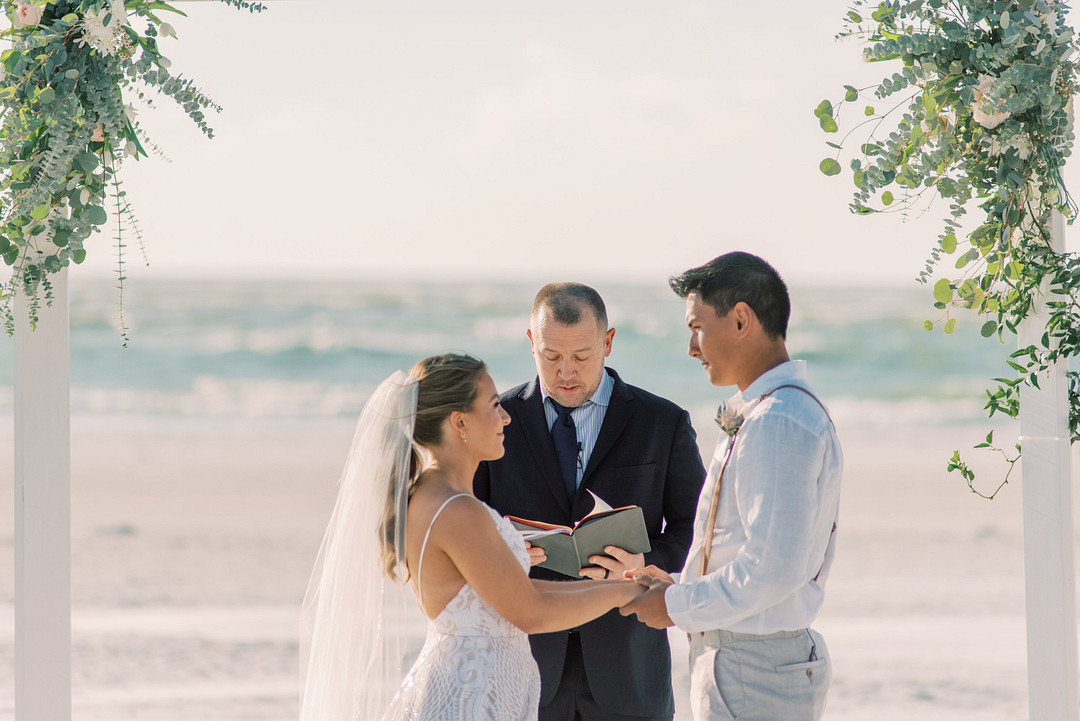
x=534, y=426
x=620, y=408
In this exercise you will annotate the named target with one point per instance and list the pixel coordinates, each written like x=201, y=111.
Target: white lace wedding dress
x=475, y=665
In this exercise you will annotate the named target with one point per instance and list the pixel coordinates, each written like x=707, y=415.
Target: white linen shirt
x=775, y=525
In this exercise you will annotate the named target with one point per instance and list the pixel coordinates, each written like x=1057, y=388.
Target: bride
x=405, y=512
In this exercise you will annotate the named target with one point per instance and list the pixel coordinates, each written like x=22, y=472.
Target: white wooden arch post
x=43, y=511
x=43, y=508
x=1049, y=564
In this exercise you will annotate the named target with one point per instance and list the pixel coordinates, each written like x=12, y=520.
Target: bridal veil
x=351, y=638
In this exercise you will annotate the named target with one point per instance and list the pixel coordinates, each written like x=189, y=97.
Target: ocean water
x=251, y=350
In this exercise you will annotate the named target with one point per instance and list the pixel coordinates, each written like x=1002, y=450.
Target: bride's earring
x=463, y=440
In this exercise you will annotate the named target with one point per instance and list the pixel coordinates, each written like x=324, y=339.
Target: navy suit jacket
x=646, y=454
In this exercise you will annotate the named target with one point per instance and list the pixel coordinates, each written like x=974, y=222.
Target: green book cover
x=568, y=548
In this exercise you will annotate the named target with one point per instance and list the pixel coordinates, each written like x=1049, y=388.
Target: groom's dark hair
x=739, y=277
x=565, y=300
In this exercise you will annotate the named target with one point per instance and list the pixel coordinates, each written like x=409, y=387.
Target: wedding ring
x=607, y=572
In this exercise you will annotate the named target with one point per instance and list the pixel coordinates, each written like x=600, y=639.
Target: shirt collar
x=601, y=396
x=789, y=372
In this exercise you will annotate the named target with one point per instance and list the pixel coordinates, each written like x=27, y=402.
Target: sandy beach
x=192, y=545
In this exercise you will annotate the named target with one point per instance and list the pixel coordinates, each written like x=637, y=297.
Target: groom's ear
x=744, y=317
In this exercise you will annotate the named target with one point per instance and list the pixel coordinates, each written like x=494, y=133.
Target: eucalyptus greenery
x=978, y=111
x=70, y=87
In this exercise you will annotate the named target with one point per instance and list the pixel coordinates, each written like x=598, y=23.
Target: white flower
x=164, y=62
x=3, y=73
x=131, y=149
x=130, y=111
x=106, y=39
x=26, y=15
x=995, y=117
x=166, y=30
x=729, y=416
x=84, y=196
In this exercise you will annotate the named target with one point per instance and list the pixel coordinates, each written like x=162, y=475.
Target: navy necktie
x=564, y=435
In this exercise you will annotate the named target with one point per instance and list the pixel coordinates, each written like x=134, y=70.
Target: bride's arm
x=467, y=534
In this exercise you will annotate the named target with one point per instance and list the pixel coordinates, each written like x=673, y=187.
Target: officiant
x=578, y=427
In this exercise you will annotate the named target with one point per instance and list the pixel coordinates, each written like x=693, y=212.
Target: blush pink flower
x=979, y=109
x=26, y=15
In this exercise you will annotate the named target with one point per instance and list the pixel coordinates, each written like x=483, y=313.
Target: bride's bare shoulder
x=434, y=493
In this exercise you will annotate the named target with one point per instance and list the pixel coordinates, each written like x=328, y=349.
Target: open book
x=568, y=548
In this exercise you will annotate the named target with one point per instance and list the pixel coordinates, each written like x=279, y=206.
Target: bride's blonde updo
x=447, y=383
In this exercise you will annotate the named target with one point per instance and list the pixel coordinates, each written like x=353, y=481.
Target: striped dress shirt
x=588, y=417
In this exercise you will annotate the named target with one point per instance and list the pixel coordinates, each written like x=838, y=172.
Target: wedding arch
x=979, y=111
x=67, y=88
x=948, y=101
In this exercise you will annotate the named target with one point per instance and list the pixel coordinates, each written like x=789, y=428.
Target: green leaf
x=854, y=16
x=79, y=256
x=943, y=292
x=948, y=243
x=823, y=108
x=86, y=162
x=966, y=258
x=829, y=166
x=11, y=59
x=164, y=6
x=869, y=110
x=41, y=212
x=950, y=325
x=988, y=329
x=46, y=96
x=887, y=198
x=852, y=94
x=927, y=325
x=827, y=124
x=95, y=215
x=61, y=237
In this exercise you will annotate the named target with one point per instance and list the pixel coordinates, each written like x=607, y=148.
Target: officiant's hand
x=536, y=554
x=613, y=565
x=650, y=607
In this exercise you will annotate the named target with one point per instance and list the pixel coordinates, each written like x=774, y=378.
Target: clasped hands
x=649, y=605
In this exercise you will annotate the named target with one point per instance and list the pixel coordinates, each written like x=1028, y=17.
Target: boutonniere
x=729, y=416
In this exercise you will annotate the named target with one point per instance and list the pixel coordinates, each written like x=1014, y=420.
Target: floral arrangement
x=70, y=87
x=978, y=111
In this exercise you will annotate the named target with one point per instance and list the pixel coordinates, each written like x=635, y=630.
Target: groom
x=766, y=522
x=577, y=427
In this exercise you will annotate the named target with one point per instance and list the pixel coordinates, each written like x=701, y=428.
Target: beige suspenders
x=710, y=521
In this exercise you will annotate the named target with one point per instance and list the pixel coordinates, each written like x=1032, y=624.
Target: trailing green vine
x=979, y=111
x=68, y=92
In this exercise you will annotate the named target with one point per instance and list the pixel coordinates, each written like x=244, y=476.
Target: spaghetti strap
x=423, y=547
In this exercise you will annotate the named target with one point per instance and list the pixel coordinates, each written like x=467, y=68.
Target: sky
x=555, y=140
